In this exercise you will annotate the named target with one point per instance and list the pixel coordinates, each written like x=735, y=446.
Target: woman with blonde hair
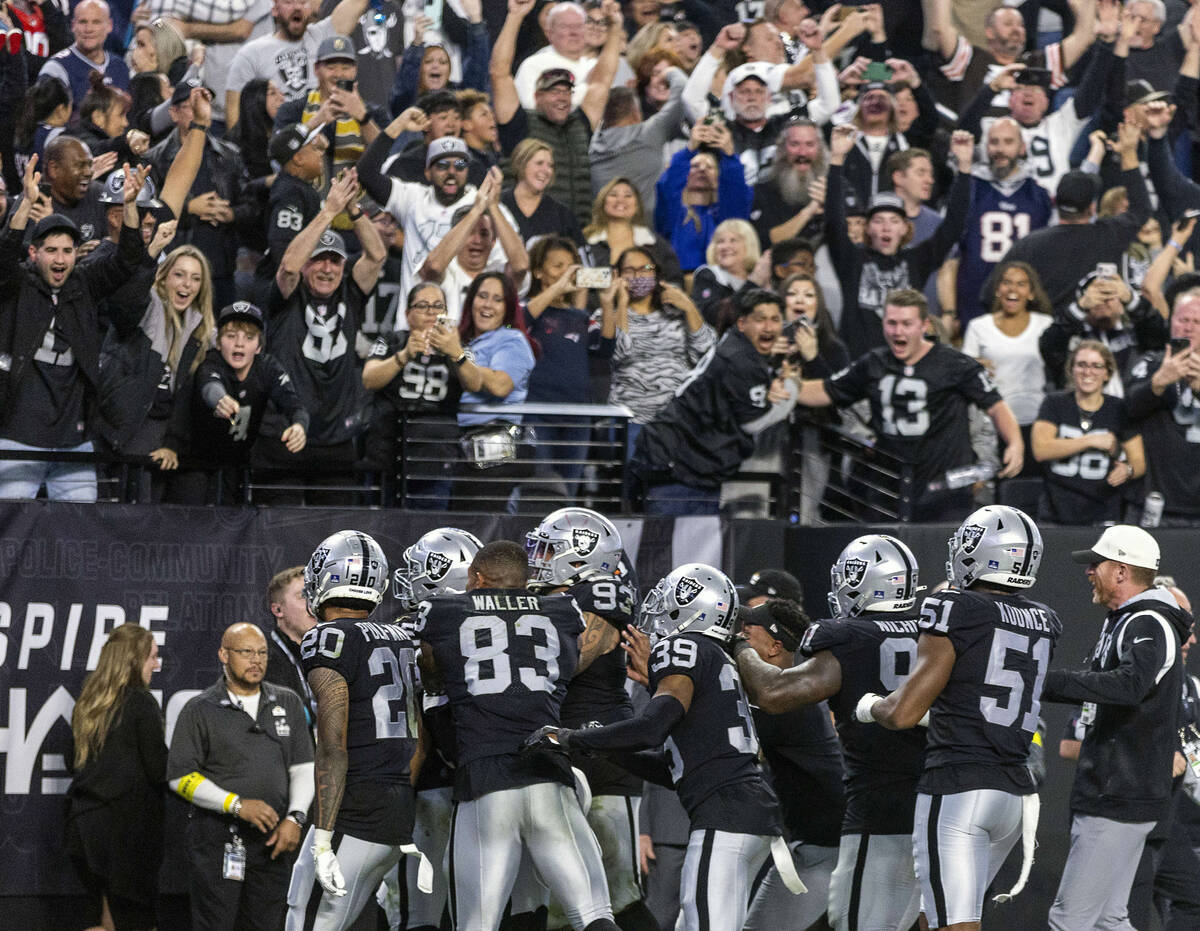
x=115, y=815
x=618, y=223
x=536, y=212
x=733, y=261
x=650, y=38
x=147, y=367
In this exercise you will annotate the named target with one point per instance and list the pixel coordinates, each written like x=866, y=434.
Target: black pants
x=259, y=903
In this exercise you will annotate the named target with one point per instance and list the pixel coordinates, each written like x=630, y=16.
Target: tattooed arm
x=598, y=638
x=333, y=698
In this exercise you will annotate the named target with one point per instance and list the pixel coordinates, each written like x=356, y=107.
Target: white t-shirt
x=425, y=222
x=288, y=64
x=1017, y=365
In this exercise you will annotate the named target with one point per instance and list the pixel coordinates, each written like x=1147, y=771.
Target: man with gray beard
x=788, y=203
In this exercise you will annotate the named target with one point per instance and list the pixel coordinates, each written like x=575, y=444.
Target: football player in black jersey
x=370, y=750
x=578, y=551
x=870, y=645
x=982, y=659
x=503, y=656
x=698, y=700
x=435, y=565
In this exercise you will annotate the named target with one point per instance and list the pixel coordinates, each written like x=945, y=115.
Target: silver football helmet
x=571, y=545
x=435, y=565
x=873, y=573
x=694, y=597
x=350, y=565
x=997, y=544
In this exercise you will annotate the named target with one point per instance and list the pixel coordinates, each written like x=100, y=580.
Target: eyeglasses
x=458, y=164
x=247, y=654
x=426, y=306
x=634, y=269
x=794, y=263
x=600, y=23
x=1092, y=366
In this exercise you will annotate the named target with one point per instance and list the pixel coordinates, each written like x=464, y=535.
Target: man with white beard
x=788, y=202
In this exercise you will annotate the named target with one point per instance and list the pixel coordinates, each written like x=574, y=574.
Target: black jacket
x=27, y=307
x=1142, y=330
x=702, y=437
x=1135, y=680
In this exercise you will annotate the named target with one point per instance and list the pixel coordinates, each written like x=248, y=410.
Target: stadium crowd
x=275, y=236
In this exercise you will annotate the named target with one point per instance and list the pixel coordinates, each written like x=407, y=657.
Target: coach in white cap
x=1130, y=695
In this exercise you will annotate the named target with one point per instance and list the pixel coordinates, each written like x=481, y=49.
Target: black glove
x=549, y=737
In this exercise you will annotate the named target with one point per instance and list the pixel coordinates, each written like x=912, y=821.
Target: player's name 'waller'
x=505, y=602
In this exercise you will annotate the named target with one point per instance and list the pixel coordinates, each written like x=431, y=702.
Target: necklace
x=1085, y=417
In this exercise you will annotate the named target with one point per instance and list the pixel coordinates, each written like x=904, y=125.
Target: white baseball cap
x=1122, y=543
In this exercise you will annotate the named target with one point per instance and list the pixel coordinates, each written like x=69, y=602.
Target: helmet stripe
x=366, y=557
x=908, y=569
x=1028, y=541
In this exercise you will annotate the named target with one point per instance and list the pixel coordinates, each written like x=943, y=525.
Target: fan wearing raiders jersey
x=697, y=698
x=982, y=658
x=315, y=312
x=919, y=393
x=503, y=656
x=869, y=645
x=579, y=552
x=362, y=674
x=411, y=378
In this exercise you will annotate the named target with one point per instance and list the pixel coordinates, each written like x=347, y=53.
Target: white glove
x=329, y=873
x=862, y=710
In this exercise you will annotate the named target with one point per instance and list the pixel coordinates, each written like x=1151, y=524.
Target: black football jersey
x=715, y=745
x=877, y=653
x=919, y=411
x=1076, y=489
x=505, y=656
x=598, y=693
x=806, y=769
x=982, y=724
x=378, y=662
x=424, y=384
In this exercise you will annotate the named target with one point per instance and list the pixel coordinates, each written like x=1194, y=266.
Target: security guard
x=242, y=755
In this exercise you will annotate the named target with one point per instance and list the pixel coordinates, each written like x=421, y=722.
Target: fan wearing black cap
x=1131, y=692
x=886, y=262
x=229, y=396
x=1065, y=253
x=336, y=109
x=315, y=313
x=208, y=218
x=50, y=341
x=804, y=757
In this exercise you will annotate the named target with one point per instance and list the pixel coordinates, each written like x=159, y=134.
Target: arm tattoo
x=598, y=638
x=333, y=699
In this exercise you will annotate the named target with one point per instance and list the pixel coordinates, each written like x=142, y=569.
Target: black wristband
x=203, y=127
x=354, y=216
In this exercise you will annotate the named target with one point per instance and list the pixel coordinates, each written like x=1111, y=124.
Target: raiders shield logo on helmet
x=436, y=566
x=584, y=541
x=686, y=590
x=853, y=571
x=971, y=535
x=319, y=557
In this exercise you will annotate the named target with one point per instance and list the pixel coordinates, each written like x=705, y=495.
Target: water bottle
x=1152, y=509
x=963, y=476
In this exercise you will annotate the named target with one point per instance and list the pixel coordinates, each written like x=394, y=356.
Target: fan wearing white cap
x=1130, y=693
x=982, y=655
